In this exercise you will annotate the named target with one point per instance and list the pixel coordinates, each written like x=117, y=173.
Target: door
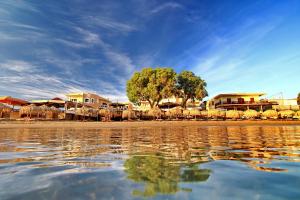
x=241, y=100
x=229, y=100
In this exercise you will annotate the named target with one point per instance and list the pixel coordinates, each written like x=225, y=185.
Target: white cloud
x=18, y=66
x=89, y=37
x=109, y=24
x=168, y=5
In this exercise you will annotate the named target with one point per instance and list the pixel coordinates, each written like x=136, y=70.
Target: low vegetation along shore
x=140, y=124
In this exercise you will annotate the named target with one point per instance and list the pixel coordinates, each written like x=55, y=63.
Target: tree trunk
x=151, y=103
x=183, y=104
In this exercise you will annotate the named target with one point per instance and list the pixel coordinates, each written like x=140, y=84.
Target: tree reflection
x=160, y=175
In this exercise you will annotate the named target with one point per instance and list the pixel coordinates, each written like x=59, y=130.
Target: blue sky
x=49, y=48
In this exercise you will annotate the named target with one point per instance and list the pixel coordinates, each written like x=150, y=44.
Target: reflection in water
x=160, y=175
x=152, y=161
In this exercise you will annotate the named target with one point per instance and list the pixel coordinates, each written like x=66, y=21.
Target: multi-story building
x=239, y=101
x=89, y=99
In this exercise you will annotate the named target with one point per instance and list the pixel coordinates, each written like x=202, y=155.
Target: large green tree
x=151, y=85
x=298, y=99
x=190, y=86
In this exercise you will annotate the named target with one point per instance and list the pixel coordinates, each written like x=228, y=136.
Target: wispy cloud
x=18, y=66
x=223, y=60
x=109, y=24
x=164, y=6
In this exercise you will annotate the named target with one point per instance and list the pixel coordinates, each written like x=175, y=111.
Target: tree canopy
x=190, y=86
x=153, y=85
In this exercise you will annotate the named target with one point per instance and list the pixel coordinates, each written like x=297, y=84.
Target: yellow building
x=239, y=101
x=89, y=99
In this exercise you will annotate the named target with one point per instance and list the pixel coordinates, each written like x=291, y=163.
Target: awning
x=13, y=101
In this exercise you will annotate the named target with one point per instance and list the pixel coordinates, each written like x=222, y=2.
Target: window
x=252, y=100
x=86, y=100
x=228, y=100
x=92, y=100
x=241, y=100
x=74, y=100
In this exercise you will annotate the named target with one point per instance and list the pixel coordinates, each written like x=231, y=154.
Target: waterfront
x=157, y=162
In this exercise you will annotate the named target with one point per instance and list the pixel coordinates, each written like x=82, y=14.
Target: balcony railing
x=244, y=102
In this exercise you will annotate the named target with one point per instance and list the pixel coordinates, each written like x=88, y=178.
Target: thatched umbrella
x=4, y=110
x=186, y=113
x=286, y=114
x=105, y=114
x=297, y=115
x=204, y=114
x=222, y=114
x=195, y=113
x=168, y=114
x=155, y=113
x=176, y=112
x=30, y=110
x=128, y=115
x=83, y=111
x=233, y=114
x=250, y=114
x=44, y=109
x=213, y=113
x=54, y=109
x=270, y=114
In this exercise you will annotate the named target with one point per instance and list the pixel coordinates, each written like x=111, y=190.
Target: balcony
x=245, y=103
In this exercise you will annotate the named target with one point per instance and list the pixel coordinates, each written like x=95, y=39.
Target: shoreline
x=137, y=124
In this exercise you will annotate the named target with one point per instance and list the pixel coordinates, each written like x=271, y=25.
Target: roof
x=86, y=93
x=13, y=101
x=48, y=101
x=238, y=94
x=75, y=94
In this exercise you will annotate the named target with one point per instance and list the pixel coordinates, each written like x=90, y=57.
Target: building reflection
x=255, y=146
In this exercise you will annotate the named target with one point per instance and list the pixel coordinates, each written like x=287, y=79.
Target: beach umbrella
x=155, y=112
x=195, y=113
x=104, y=112
x=286, y=114
x=186, y=113
x=204, y=113
x=44, y=109
x=250, y=114
x=54, y=109
x=297, y=115
x=233, y=114
x=168, y=114
x=30, y=110
x=270, y=114
x=176, y=112
x=128, y=114
x=222, y=114
x=213, y=113
x=4, y=109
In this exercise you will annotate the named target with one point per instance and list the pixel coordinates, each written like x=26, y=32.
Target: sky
x=50, y=48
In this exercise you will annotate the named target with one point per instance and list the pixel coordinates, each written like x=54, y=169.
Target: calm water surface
x=155, y=163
